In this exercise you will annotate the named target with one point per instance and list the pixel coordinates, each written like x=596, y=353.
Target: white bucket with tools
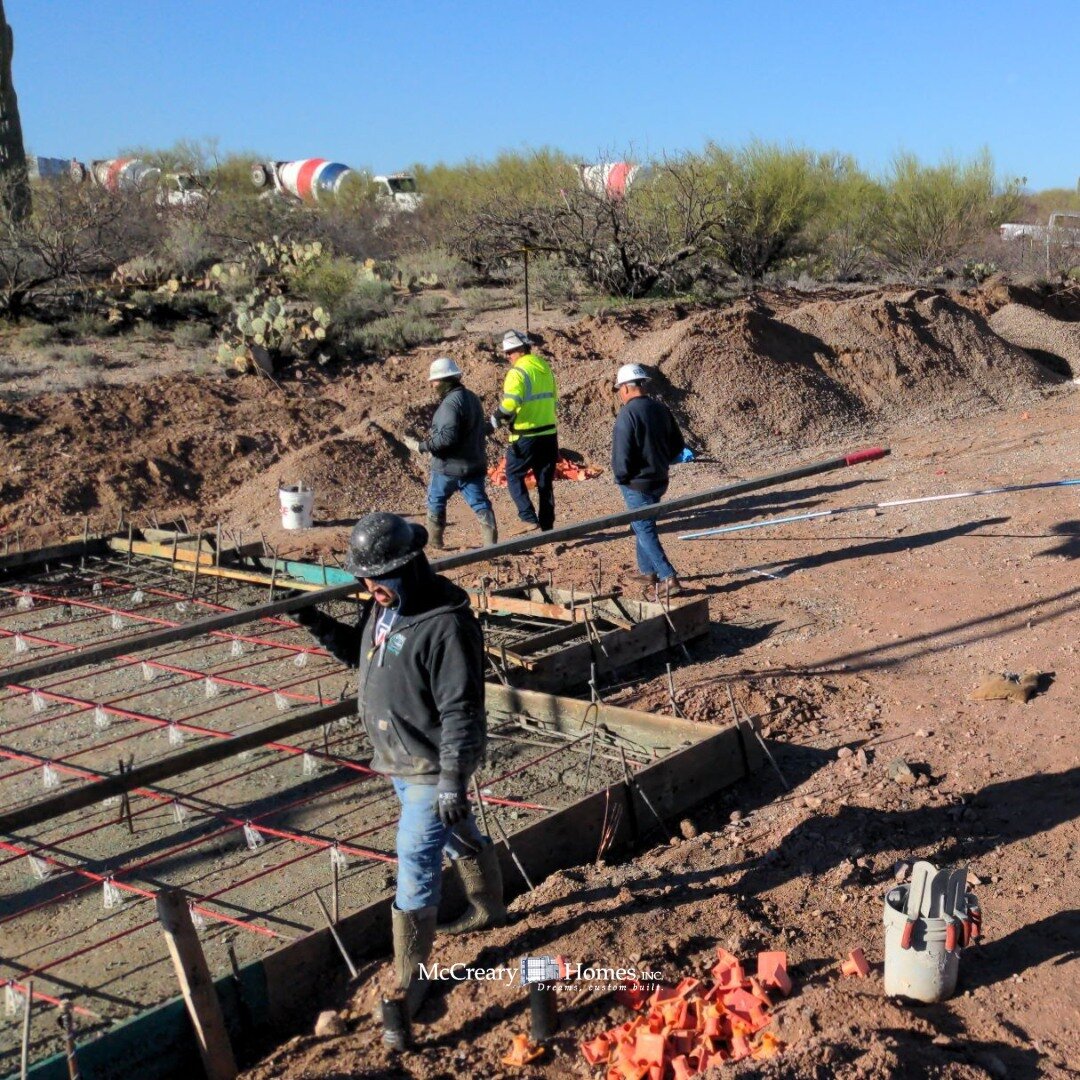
x=927, y=923
x=297, y=504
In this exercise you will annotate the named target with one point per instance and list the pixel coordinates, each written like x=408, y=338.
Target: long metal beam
x=107, y=785
x=96, y=654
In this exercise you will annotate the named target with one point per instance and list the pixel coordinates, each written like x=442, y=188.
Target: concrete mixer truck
x=314, y=180
x=134, y=174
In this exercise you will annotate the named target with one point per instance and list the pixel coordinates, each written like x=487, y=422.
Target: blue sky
x=383, y=84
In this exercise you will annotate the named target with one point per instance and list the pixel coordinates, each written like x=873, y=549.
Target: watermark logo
x=543, y=969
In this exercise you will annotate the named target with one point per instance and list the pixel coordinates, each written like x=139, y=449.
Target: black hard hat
x=381, y=543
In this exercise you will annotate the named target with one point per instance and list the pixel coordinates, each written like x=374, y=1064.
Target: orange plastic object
x=727, y=971
x=634, y=996
x=565, y=469
x=650, y=1048
x=768, y=1046
x=682, y=1068
x=521, y=1052
x=772, y=971
x=628, y=1070
x=596, y=1050
x=856, y=964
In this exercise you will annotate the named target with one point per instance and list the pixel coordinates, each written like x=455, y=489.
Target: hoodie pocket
x=392, y=753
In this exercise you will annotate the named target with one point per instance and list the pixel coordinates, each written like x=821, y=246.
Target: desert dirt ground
x=870, y=636
x=862, y=632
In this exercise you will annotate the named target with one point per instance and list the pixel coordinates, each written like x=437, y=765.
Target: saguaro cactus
x=14, y=183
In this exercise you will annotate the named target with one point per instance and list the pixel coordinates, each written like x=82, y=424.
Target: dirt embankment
x=769, y=373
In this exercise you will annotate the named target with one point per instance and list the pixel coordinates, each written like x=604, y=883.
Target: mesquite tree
x=16, y=191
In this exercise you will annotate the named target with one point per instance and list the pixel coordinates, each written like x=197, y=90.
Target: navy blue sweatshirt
x=646, y=441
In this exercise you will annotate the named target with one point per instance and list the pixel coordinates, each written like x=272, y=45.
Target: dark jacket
x=645, y=442
x=422, y=692
x=456, y=442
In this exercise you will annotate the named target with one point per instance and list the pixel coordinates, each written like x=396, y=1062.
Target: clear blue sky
x=384, y=83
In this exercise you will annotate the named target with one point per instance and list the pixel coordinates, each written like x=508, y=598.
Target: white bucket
x=927, y=969
x=297, y=504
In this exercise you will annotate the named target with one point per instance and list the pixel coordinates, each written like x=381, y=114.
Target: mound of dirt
x=171, y=443
x=1050, y=341
x=742, y=376
x=915, y=354
x=353, y=473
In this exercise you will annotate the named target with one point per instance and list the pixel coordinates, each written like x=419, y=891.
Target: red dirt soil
x=868, y=635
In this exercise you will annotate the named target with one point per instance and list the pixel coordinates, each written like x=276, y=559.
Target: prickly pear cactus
x=265, y=334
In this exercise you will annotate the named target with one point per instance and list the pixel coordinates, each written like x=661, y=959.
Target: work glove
x=412, y=444
x=453, y=806
x=492, y=426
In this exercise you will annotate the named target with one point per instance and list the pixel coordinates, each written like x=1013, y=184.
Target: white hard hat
x=631, y=373
x=514, y=339
x=443, y=368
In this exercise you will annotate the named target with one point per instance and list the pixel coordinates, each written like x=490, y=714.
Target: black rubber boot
x=482, y=878
x=435, y=527
x=414, y=934
x=489, y=528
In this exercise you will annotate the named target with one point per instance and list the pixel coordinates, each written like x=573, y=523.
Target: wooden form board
x=273, y=997
x=635, y=630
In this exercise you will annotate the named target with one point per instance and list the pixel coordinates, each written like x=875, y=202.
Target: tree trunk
x=14, y=182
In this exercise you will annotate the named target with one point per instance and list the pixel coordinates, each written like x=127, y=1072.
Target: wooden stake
x=24, y=1060
x=196, y=986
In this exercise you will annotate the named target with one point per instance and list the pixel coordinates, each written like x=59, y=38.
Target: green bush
x=88, y=324
x=931, y=214
x=192, y=333
x=395, y=333
x=325, y=282
x=770, y=197
x=37, y=335
x=553, y=282
x=368, y=299
x=432, y=267
x=188, y=248
x=477, y=301
x=82, y=356
x=429, y=305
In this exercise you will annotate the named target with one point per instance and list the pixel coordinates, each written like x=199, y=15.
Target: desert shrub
x=434, y=267
x=771, y=197
x=1041, y=204
x=429, y=305
x=395, y=333
x=82, y=356
x=553, y=283
x=88, y=324
x=477, y=300
x=192, y=333
x=326, y=281
x=843, y=233
x=188, y=248
x=144, y=330
x=369, y=299
x=931, y=214
x=37, y=335
x=73, y=233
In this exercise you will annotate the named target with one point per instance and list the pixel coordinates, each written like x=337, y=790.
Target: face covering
x=412, y=583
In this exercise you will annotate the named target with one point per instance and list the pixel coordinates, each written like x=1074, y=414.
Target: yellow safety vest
x=529, y=396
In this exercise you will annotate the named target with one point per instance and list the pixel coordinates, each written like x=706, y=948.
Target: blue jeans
x=536, y=454
x=421, y=840
x=650, y=555
x=442, y=487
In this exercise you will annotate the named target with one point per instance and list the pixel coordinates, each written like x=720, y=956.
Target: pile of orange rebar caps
x=683, y=1030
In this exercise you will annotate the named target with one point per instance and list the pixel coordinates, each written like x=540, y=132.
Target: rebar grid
x=253, y=894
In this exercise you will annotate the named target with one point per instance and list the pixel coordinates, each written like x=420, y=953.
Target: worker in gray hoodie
x=419, y=651
x=458, y=454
